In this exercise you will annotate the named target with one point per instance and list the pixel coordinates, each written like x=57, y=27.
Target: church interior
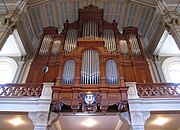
x=89, y=64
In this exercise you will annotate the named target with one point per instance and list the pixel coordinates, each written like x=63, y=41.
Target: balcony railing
x=76, y=96
x=158, y=90
x=144, y=90
x=20, y=90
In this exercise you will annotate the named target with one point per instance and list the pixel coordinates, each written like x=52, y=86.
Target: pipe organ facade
x=90, y=56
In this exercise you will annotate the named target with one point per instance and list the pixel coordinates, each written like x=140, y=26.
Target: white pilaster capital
x=138, y=118
x=39, y=118
x=43, y=120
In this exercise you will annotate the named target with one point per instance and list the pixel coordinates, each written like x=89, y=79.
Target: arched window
x=68, y=72
x=171, y=69
x=8, y=69
x=174, y=72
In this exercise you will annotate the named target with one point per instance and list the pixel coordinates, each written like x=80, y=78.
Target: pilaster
x=43, y=120
x=138, y=119
x=39, y=119
x=159, y=69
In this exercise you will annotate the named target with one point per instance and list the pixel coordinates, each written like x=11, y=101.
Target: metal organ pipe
x=110, y=42
x=90, y=73
x=134, y=45
x=71, y=40
x=111, y=72
x=68, y=72
x=45, y=45
x=90, y=28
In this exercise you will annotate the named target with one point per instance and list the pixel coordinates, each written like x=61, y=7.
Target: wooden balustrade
x=74, y=96
x=158, y=90
x=20, y=90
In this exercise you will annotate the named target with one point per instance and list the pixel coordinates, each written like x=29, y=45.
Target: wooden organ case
x=89, y=62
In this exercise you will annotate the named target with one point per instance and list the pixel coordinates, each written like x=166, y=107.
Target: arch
x=92, y=48
x=69, y=58
x=111, y=58
x=69, y=72
x=111, y=72
x=8, y=68
x=169, y=67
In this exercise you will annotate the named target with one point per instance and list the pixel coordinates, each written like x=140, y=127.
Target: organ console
x=89, y=55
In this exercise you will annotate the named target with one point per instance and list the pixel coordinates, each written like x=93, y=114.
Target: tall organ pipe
x=90, y=73
x=134, y=45
x=68, y=72
x=109, y=37
x=90, y=28
x=71, y=40
x=111, y=72
x=45, y=45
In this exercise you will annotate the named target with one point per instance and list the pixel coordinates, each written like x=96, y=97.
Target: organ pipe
x=71, y=40
x=111, y=72
x=90, y=73
x=90, y=28
x=68, y=72
x=134, y=45
x=45, y=45
x=110, y=42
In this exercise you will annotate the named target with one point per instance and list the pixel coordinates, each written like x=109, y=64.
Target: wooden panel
x=51, y=75
x=142, y=75
x=36, y=75
x=128, y=74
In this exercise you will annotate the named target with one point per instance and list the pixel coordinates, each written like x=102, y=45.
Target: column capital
x=138, y=119
x=41, y=120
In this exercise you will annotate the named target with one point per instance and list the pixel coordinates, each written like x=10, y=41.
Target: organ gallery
x=89, y=62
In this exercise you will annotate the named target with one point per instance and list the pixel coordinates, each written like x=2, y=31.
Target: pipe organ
x=90, y=56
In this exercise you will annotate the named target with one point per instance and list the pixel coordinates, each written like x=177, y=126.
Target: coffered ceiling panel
x=56, y=12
